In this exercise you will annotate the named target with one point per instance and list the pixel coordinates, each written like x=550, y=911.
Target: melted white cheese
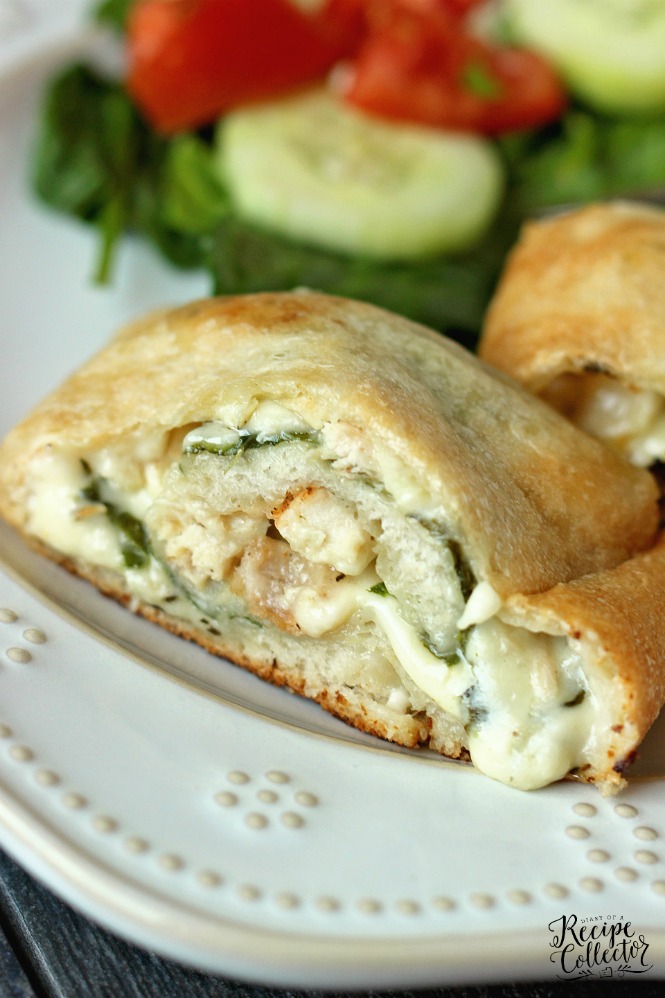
x=521, y=732
x=482, y=604
x=525, y=735
x=56, y=512
x=632, y=420
x=216, y=435
x=318, y=614
x=528, y=733
x=270, y=418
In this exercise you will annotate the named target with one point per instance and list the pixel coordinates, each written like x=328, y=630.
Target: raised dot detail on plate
x=256, y=820
x=645, y=856
x=645, y=833
x=238, y=777
x=292, y=820
x=47, y=778
x=277, y=776
x=21, y=753
x=267, y=796
x=104, y=823
x=483, y=901
x=74, y=801
x=369, y=906
x=626, y=873
x=135, y=844
x=519, y=896
x=19, y=655
x=171, y=861
x=5, y=731
x=555, y=890
x=406, y=906
x=247, y=892
x=658, y=886
x=34, y=636
x=585, y=810
x=306, y=799
x=7, y=616
x=287, y=900
x=577, y=832
x=598, y=855
x=443, y=903
x=591, y=884
x=327, y=904
x=226, y=799
x=209, y=878
x=625, y=810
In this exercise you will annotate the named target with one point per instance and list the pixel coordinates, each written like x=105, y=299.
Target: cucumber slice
x=312, y=169
x=610, y=52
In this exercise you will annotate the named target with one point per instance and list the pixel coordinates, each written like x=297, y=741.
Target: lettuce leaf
x=98, y=160
x=584, y=158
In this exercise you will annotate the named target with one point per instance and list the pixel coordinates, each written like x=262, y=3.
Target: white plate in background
x=191, y=808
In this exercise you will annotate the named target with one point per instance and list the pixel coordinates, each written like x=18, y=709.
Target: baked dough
x=348, y=504
x=615, y=622
x=579, y=318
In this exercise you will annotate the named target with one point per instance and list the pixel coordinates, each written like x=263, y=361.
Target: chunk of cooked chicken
x=325, y=529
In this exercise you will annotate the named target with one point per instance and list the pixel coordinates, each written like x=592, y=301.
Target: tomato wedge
x=410, y=60
x=419, y=63
x=190, y=60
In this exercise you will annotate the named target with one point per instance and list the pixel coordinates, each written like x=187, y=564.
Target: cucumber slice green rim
x=312, y=169
x=611, y=53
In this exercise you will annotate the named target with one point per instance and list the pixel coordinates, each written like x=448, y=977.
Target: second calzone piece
x=579, y=318
x=337, y=498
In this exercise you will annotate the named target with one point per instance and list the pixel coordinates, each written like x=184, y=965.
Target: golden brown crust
x=532, y=500
x=583, y=291
x=619, y=618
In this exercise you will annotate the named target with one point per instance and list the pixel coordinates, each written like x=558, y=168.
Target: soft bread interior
x=305, y=553
x=346, y=503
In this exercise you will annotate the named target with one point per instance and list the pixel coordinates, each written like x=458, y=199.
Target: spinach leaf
x=445, y=293
x=193, y=198
x=133, y=536
x=89, y=151
x=251, y=441
x=96, y=159
x=478, y=710
x=467, y=579
x=114, y=13
x=584, y=158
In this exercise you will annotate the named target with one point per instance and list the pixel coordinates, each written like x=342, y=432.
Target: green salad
x=301, y=188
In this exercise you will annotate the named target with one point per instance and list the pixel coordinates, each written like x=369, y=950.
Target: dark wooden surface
x=49, y=951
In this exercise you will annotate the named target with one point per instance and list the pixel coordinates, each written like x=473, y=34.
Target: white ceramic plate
x=196, y=811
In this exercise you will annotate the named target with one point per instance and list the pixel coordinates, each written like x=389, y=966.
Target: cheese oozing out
x=630, y=419
x=521, y=697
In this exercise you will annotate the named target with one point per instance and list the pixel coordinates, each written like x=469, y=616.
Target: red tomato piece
x=420, y=64
x=531, y=92
x=190, y=60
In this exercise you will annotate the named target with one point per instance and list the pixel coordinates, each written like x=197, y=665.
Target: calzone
x=348, y=504
x=579, y=318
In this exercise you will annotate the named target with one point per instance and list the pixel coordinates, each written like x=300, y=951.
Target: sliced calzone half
x=579, y=318
x=343, y=502
x=606, y=629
